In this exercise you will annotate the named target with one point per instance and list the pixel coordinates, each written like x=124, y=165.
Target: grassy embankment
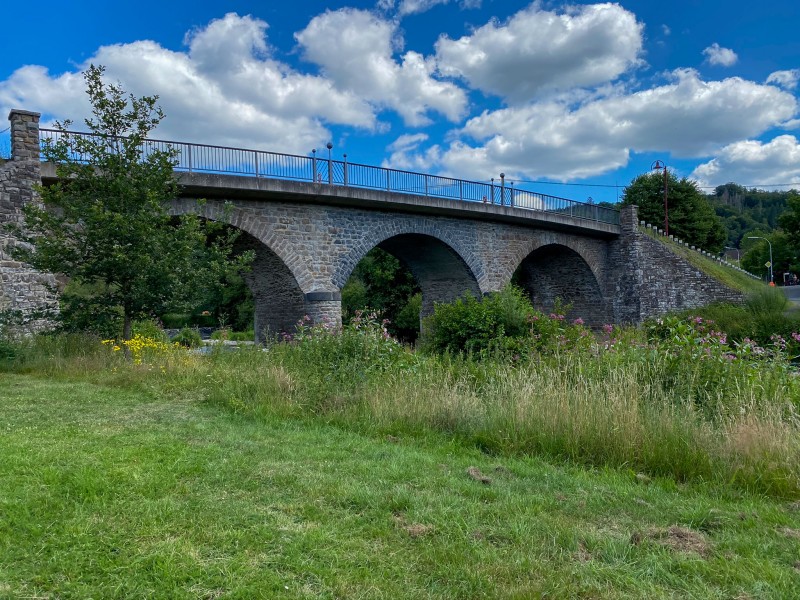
x=731, y=277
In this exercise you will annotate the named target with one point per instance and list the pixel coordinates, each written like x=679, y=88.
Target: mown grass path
x=109, y=492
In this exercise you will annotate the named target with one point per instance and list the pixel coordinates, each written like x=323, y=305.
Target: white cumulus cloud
x=719, y=56
x=538, y=50
x=785, y=79
x=410, y=7
x=226, y=88
x=406, y=154
x=753, y=162
x=355, y=50
x=688, y=117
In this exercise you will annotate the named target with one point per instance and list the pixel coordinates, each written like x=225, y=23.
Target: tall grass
x=676, y=407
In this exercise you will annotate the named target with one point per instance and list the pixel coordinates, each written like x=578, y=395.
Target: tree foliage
x=381, y=282
x=745, y=210
x=106, y=223
x=691, y=216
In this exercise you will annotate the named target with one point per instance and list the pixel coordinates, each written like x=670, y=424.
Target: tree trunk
x=127, y=327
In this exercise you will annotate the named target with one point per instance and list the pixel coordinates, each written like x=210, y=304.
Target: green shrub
x=150, y=329
x=203, y=320
x=504, y=324
x=175, y=320
x=763, y=315
x=406, y=323
x=233, y=336
x=188, y=337
x=470, y=325
x=767, y=300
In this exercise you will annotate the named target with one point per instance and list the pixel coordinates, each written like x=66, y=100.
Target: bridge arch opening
x=426, y=271
x=555, y=273
x=278, y=301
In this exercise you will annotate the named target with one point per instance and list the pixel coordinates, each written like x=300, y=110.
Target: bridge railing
x=203, y=158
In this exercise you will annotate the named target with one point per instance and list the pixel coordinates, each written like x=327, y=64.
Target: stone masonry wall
x=23, y=291
x=321, y=245
x=652, y=280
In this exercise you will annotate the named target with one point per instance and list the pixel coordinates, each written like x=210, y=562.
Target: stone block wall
x=651, y=280
x=24, y=291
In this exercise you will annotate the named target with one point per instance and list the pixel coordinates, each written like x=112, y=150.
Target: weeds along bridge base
x=310, y=221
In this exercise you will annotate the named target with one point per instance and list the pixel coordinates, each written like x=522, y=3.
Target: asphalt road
x=792, y=292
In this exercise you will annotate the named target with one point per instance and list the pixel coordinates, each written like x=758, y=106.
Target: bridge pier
x=324, y=308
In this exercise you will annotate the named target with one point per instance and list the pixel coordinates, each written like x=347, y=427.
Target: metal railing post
x=345, y=170
x=461, y=189
x=314, y=165
x=426, y=186
x=502, y=189
x=189, y=152
x=255, y=160
x=512, y=193
x=388, y=185
x=492, y=188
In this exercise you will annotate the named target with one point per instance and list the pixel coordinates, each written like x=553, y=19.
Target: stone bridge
x=309, y=236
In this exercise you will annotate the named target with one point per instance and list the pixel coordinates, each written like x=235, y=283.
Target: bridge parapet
x=222, y=160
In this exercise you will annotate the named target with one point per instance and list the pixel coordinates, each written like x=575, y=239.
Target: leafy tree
x=790, y=222
x=381, y=282
x=106, y=223
x=691, y=217
x=790, y=219
x=756, y=254
x=745, y=210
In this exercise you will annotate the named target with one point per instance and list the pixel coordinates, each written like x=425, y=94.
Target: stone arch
x=441, y=271
x=360, y=249
x=556, y=270
x=276, y=278
x=250, y=223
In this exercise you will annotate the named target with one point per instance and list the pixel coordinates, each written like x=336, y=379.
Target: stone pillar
x=626, y=252
x=629, y=219
x=22, y=173
x=324, y=307
x=27, y=295
x=24, y=135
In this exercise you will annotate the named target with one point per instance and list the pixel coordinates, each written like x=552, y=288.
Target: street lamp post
x=756, y=237
x=657, y=166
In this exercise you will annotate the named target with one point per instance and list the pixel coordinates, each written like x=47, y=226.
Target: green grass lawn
x=121, y=492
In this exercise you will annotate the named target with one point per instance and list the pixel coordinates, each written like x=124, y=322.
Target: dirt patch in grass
x=583, y=555
x=677, y=539
x=475, y=473
x=414, y=530
x=789, y=532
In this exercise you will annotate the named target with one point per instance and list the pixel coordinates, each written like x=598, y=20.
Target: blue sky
x=581, y=94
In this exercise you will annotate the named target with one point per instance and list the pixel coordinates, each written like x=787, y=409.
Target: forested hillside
x=748, y=210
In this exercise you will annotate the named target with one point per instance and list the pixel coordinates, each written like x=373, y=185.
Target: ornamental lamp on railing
x=657, y=166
